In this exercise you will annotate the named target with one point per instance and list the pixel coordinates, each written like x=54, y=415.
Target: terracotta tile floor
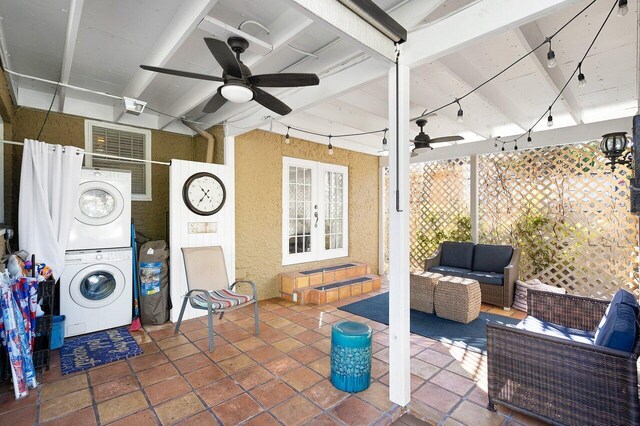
x=278, y=377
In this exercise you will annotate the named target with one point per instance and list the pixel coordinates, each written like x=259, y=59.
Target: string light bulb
x=287, y=139
x=623, y=7
x=460, y=118
x=529, y=137
x=502, y=147
x=384, y=140
x=582, y=81
x=551, y=57
x=516, y=146
x=330, y=147
x=550, y=119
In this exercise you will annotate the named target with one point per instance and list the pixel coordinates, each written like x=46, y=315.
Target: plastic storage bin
x=351, y=356
x=57, y=332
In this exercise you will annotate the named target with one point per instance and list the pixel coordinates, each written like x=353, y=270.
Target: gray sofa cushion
x=486, y=277
x=449, y=270
x=458, y=255
x=490, y=258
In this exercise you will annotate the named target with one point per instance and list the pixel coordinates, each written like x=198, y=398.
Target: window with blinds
x=121, y=141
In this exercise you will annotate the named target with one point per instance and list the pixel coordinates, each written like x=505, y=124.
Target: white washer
x=95, y=290
x=102, y=217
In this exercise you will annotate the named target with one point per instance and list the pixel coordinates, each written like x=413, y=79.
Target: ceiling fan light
x=236, y=93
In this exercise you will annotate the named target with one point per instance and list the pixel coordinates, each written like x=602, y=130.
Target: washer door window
x=99, y=203
x=97, y=286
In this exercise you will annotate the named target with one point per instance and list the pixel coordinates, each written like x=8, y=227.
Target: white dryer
x=95, y=290
x=102, y=217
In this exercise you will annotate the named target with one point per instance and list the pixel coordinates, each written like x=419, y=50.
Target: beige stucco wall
x=258, y=158
x=149, y=216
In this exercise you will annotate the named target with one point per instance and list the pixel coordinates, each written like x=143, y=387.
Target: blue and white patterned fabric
x=83, y=352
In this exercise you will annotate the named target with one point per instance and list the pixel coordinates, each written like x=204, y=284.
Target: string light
x=550, y=119
x=529, y=137
x=582, y=81
x=551, y=57
x=330, y=147
x=384, y=141
x=287, y=140
x=623, y=8
x=460, y=118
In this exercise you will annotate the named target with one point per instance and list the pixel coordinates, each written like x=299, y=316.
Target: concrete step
x=337, y=290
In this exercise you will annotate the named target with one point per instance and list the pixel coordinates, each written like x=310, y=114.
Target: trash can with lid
x=351, y=356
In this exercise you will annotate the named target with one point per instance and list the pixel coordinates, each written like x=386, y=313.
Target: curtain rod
x=95, y=154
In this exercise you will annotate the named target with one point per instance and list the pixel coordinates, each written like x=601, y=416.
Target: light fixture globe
x=613, y=146
x=236, y=92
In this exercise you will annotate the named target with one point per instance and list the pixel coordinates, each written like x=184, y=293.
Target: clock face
x=204, y=193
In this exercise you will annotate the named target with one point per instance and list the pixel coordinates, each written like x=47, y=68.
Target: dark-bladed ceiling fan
x=239, y=85
x=422, y=142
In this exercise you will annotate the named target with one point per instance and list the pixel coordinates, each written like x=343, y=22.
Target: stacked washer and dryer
x=96, y=285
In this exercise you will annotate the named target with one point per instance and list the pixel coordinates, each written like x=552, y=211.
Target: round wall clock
x=204, y=193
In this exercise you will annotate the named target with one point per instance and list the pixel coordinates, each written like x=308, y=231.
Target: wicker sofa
x=564, y=379
x=495, y=267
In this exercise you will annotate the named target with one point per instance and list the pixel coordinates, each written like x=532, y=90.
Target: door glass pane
x=97, y=286
x=333, y=210
x=96, y=203
x=300, y=209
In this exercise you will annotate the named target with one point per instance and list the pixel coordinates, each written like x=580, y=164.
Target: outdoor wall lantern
x=614, y=147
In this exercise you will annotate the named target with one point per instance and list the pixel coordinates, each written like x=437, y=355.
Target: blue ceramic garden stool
x=351, y=356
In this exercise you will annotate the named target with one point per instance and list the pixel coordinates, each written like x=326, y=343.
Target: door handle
x=316, y=216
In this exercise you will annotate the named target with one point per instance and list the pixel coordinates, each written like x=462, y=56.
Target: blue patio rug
x=472, y=336
x=83, y=352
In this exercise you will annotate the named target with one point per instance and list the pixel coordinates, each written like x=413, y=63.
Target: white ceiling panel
x=34, y=35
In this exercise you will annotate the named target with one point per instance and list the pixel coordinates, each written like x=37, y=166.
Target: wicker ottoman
x=457, y=299
x=422, y=287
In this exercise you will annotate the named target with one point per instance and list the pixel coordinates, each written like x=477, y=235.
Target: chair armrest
x=434, y=260
x=579, y=312
x=512, y=270
x=251, y=283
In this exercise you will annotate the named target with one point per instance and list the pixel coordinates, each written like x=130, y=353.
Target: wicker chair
x=558, y=380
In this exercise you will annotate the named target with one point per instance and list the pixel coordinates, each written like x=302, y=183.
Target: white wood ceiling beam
x=187, y=18
x=282, y=31
x=410, y=13
x=348, y=115
x=530, y=36
x=478, y=21
x=12, y=81
x=341, y=20
x=73, y=24
x=465, y=72
x=563, y=136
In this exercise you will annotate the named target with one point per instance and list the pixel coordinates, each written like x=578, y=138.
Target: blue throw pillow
x=617, y=330
x=623, y=296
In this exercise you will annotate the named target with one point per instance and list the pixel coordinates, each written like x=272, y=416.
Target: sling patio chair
x=208, y=286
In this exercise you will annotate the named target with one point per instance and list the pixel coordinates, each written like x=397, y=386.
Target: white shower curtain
x=49, y=183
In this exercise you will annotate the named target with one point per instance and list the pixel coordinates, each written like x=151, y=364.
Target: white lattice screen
x=566, y=210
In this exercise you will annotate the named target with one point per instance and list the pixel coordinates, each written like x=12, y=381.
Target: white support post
x=473, y=202
x=399, y=339
x=230, y=162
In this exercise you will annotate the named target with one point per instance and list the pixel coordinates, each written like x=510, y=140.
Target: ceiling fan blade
x=180, y=73
x=447, y=139
x=214, y=104
x=224, y=56
x=269, y=101
x=284, y=80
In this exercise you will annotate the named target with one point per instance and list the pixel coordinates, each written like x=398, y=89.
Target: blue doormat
x=472, y=336
x=83, y=352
